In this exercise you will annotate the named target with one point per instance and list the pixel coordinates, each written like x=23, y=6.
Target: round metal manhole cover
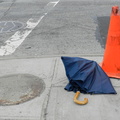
x=10, y=26
x=19, y=88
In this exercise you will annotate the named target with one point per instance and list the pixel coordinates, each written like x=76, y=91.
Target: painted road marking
x=8, y=26
x=53, y=3
x=16, y=40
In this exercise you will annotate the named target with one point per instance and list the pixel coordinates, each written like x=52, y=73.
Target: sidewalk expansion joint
x=45, y=104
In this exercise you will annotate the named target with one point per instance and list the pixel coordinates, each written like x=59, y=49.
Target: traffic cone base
x=111, y=74
x=111, y=59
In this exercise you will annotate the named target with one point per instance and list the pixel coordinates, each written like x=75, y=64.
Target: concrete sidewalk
x=53, y=103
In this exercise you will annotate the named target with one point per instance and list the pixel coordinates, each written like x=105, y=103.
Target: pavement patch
x=19, y=88
x=103, y=24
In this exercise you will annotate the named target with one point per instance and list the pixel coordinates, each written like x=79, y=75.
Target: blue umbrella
x=86, y=76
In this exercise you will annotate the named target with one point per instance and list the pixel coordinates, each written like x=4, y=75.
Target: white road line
x=53, y=3
x=16, y=40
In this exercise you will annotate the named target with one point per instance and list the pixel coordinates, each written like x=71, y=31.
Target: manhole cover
x=19, y=88
x=10, y=26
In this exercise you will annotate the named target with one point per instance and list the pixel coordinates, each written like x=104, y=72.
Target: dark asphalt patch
x=103, y=25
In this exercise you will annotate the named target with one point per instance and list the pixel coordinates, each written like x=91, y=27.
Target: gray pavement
x=54, y=103
x=32, y=109
x=32, y=78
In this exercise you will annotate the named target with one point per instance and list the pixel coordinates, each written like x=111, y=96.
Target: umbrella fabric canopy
x=86, y=76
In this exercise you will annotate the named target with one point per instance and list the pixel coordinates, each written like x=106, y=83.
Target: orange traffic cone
x=111, y=59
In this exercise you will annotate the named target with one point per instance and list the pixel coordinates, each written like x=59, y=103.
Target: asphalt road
x=53, y=27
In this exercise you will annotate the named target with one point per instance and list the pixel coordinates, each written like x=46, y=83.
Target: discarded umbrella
x=86, y=76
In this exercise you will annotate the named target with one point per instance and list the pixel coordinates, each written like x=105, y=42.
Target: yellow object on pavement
x=79, y=102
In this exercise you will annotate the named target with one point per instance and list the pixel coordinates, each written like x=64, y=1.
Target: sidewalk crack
x=46, y=102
